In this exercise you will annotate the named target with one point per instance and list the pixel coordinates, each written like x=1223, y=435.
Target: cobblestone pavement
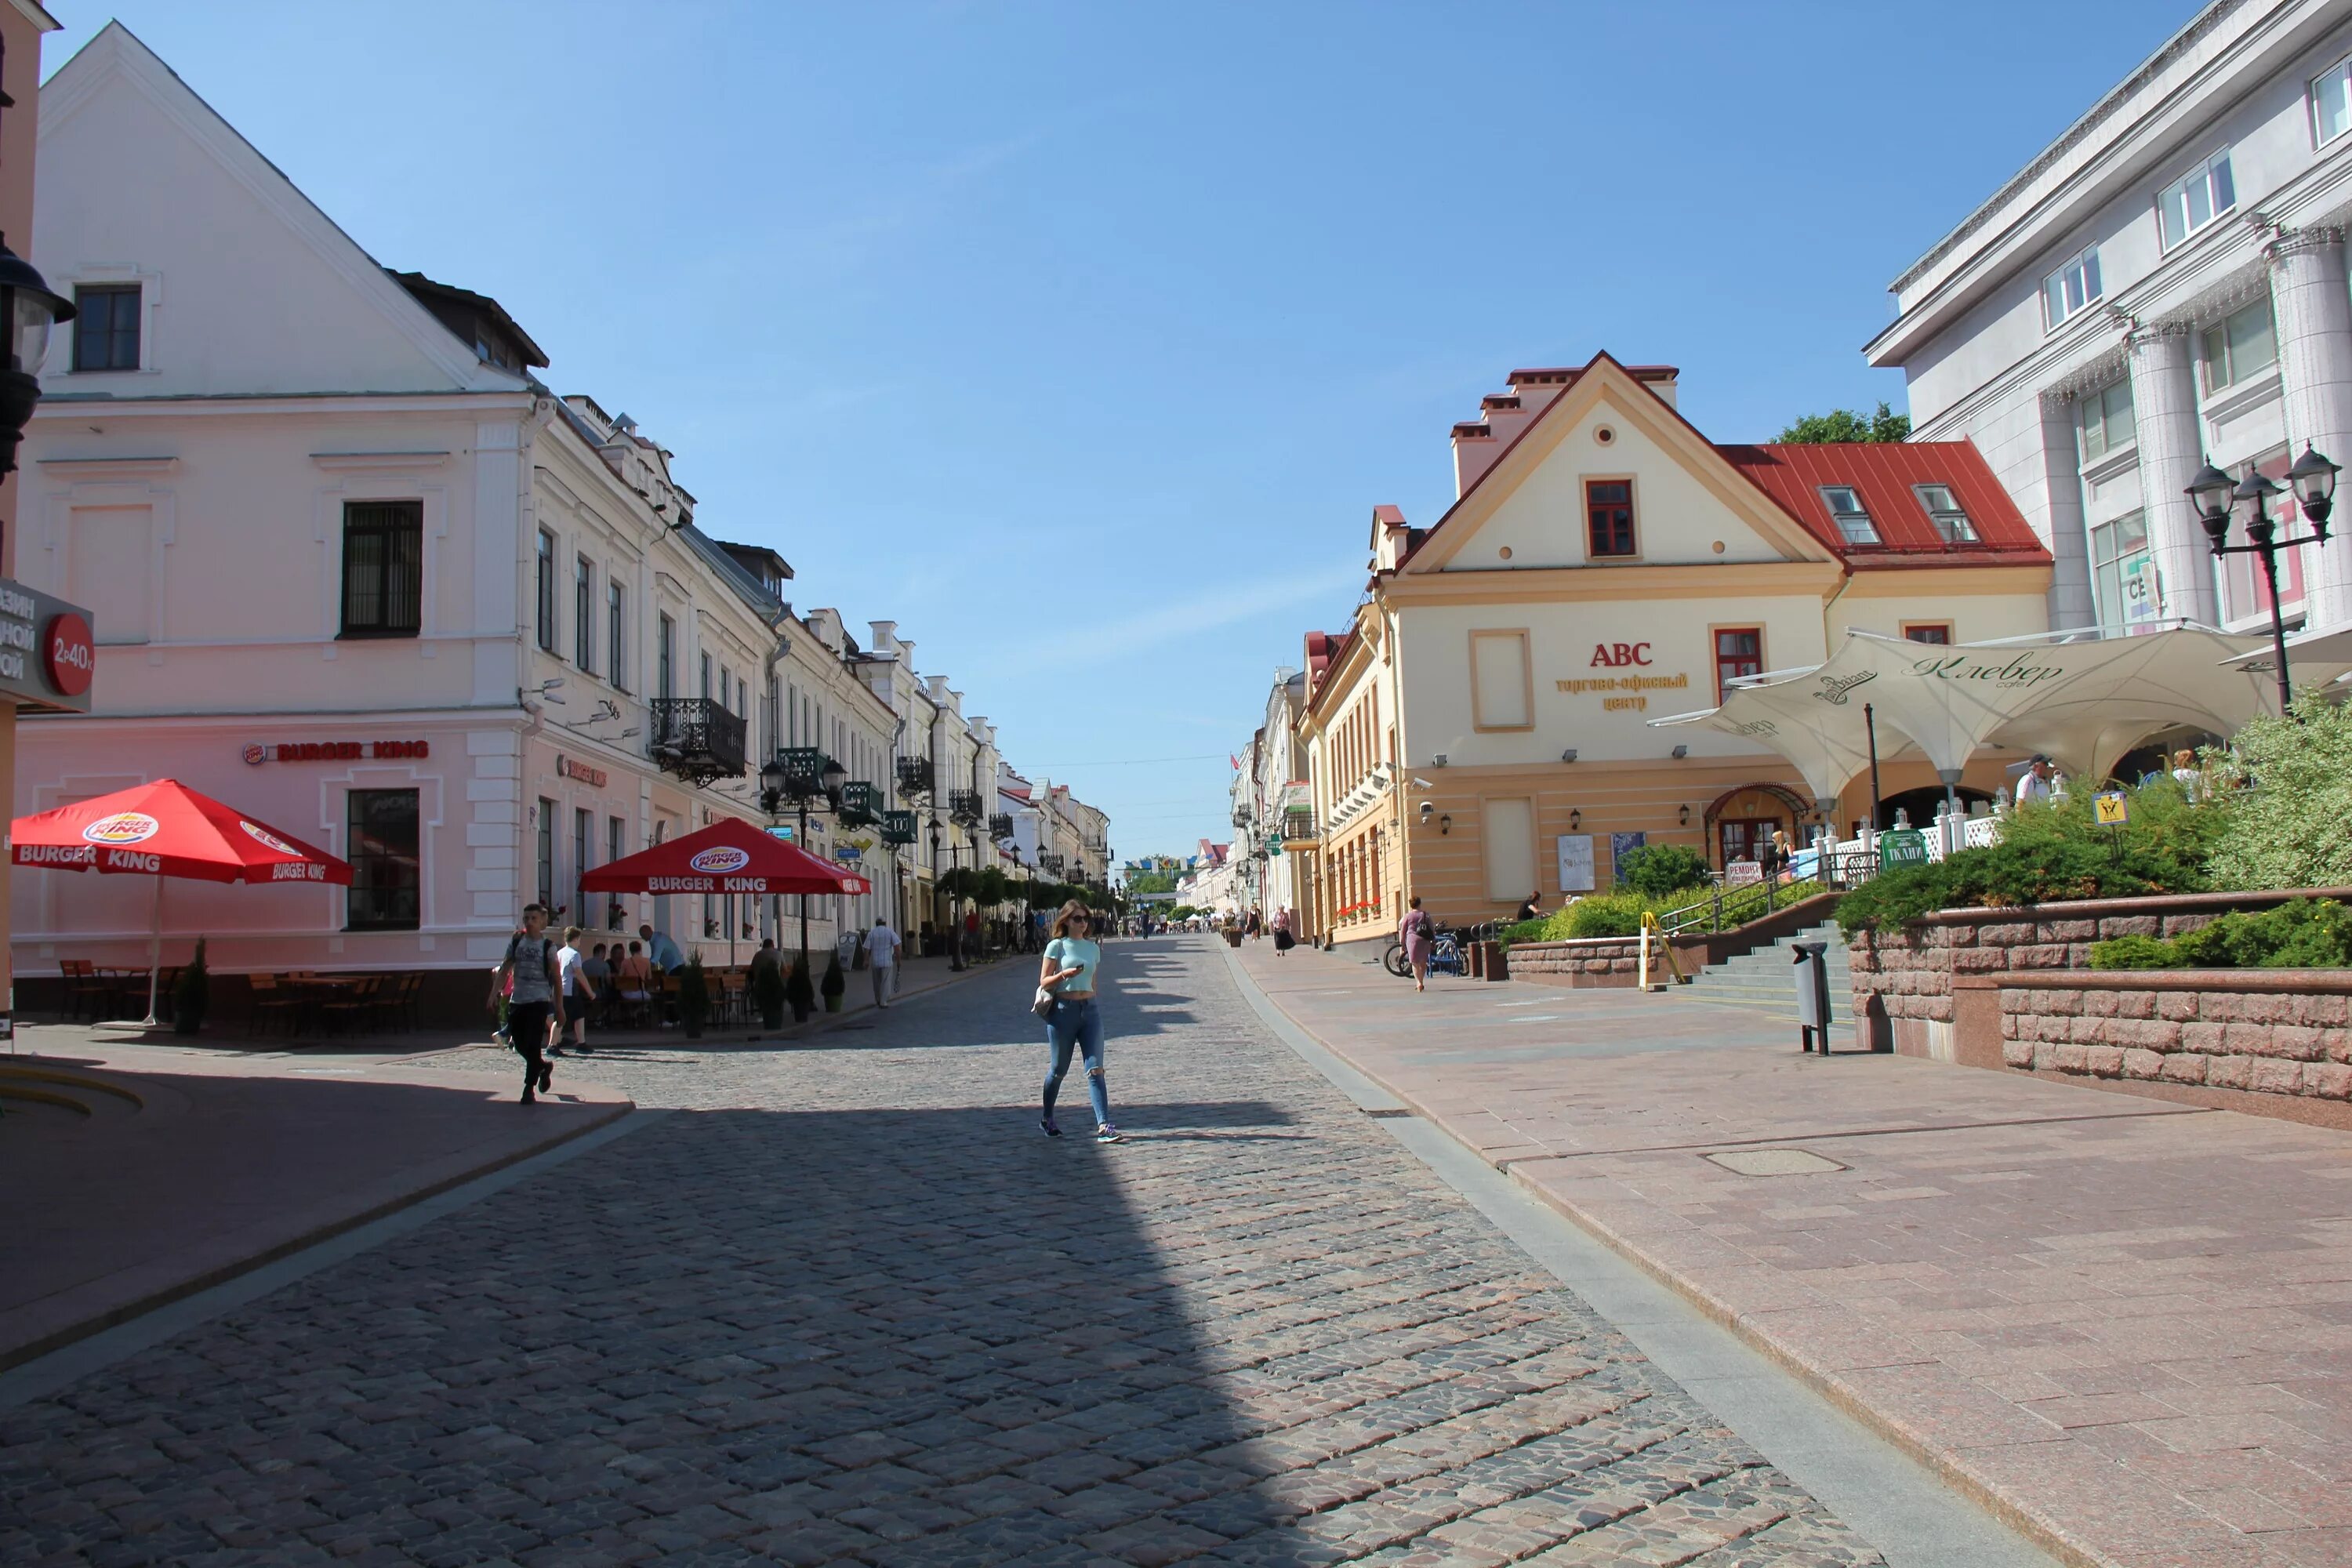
x=847, y=1305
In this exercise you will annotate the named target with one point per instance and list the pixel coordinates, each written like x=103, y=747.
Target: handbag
x=1043, y=1003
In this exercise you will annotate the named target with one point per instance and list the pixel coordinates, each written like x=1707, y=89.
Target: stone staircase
x=1764, y=981
x=35, y=1094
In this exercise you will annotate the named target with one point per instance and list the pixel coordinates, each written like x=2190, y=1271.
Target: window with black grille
x=384, y=568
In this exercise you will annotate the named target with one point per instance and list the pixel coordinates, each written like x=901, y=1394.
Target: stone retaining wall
x=1903, y=981
x=1593, y=961
x=2267, y=1031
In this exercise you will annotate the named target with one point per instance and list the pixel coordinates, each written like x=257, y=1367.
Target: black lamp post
x=28, y=309
x=954, y=933
x=2313, y=479
x=805, y=777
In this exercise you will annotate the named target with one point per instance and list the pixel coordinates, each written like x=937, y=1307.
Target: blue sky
x=1081, y=338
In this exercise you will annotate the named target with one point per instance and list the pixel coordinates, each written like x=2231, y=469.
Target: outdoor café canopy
x=2083, y=699
x=730, y=856
x=167, y=829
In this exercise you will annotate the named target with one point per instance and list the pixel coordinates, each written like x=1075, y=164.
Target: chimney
x=886, y=637
x=935, y=687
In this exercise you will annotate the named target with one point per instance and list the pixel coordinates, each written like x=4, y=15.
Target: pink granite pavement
x=185, y=1165
x=2124, y=1323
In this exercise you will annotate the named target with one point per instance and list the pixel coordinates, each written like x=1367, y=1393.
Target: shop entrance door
x=1744, y=838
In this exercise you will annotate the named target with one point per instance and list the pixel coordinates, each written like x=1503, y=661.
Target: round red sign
x=69, y=657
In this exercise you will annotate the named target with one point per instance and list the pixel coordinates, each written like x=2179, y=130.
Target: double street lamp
x=2313, y=480
x=801, y=774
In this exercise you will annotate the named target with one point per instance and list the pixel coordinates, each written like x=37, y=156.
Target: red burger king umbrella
x=730, y=856
x=167, y=829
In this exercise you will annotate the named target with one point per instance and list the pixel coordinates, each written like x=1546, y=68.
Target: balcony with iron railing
x=914, y=778
x=696, y=739
x=964, y=808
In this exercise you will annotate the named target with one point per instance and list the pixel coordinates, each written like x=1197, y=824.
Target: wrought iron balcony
x=898, y=827
x=696, y=738
x=913, y=777
x=1000, y=825
x=1052, y=865
x=861, y=802
x=964, y=808
x=1298, y=828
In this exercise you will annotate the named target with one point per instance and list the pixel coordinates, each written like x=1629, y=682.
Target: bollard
x=1812, y=995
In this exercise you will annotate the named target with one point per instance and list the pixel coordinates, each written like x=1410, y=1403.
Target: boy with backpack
x=533, y=976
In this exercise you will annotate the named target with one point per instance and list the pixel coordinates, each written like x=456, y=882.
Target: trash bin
x=1812, y=995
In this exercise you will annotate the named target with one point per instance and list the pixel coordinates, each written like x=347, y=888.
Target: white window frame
x=2083, y=270
x=2082, y=407
x=2202, y=170
x=2236, y=376
x=1940, y=515
x=2340, y=73
x=1845, y=518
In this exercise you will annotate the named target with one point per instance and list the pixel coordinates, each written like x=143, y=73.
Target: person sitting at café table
x=598, y=968
x=661, y=949
x=635, y=974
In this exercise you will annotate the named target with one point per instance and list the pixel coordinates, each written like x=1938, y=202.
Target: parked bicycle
x=1444, y=957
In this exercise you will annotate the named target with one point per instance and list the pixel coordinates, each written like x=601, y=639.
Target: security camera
x=1428, y=809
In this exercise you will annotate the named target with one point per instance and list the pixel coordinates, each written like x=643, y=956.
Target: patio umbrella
x=167, y=829
x=730, y=856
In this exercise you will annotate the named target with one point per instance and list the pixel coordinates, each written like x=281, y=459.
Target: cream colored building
x=1481, y=730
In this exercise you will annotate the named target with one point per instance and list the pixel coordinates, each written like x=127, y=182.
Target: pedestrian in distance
x=2040, y=782
x=1532, y=909
x=1283, y=939
x=1413, y=930
x=1074, y=1022
x=535, y=998
x=578, y=991
x=882, y=959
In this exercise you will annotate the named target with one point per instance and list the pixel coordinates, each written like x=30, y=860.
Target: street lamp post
x=808, y=776
x=28, y=309
x=2313, y=480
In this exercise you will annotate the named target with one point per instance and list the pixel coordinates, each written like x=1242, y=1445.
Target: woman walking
x=1413, y=931
x=1074, y=1023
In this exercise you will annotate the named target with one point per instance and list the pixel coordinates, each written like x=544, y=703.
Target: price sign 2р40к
x=2111, y=808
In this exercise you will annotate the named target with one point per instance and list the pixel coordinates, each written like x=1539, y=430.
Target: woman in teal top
x=1074, y=1023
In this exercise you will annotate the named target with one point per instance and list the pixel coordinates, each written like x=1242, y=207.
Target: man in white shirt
x=882, y=959
x=2038, y=783
x=578, y=990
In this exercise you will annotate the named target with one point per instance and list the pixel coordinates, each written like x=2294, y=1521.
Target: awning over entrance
x=2084, y=700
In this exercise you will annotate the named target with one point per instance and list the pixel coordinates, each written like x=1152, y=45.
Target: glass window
x=547, y=858
x=106, y=326
x=382, y=842
x=705, y=677
x=584, y=614
x=1737, y=651
x=2243, y=346
x=2196, y=199
x=2118, y=557
x=616, y=669
x=2106, y=420
x=665, y=682
x=384, y=568
x=547, y=590
x=2074, y=285
x=1851, y=516
x=1609, y=504
x=1944, y=510
x=1937, y=632
x=583, y=842
x=2331, y=102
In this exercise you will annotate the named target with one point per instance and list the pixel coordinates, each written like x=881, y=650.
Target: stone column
x=2314, y=307
x=2171, y=449
x=2071, y=601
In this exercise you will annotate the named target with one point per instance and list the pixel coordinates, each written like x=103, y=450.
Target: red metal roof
x=1884, y=473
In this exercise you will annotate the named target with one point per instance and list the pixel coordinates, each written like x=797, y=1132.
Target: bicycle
x=1445, y=957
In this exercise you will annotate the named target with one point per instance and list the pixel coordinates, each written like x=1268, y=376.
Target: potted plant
x=693, y=998
x=799, y=994
x=834, y=983
x=192, y=995
x=768, y=994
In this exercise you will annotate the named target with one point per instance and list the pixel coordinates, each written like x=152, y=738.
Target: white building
x=2164, y=282
x=353, y=569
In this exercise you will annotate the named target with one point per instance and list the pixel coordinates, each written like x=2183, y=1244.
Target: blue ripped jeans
x=1076, y=1026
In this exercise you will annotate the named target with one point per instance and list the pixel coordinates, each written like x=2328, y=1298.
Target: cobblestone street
x=843, y=1303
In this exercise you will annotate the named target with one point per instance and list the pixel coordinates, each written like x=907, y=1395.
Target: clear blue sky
x=1081, y=338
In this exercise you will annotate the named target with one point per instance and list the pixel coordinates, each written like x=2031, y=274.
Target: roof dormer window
x=1851, y=516
x=1944, y=510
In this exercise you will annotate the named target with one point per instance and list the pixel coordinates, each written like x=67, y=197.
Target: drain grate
x=1774, y=1161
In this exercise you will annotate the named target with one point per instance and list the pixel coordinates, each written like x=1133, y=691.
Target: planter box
x=1616, y=959
x=2261, y=1031
x=1904, y=982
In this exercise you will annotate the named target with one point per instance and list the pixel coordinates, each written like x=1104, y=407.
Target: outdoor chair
x=271, y=1000
x=352, y=1005
x=83, y=988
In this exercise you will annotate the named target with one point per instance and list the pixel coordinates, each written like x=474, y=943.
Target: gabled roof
x=1884, y=473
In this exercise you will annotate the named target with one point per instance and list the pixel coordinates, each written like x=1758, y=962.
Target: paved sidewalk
x=2127, y=1322
x=192, y=1164
x=847, y=1305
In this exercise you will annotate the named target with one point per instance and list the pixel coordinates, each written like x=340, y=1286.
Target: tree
x=1845, y=425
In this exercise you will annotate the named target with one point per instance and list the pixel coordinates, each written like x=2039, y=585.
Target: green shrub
x=2054, y=852
x=2299, y=934
x=191, y=994
x=1608, y=914
x=693, y=995
x=2285, y=825
x=835, y=983
x=1662, y=870
x=800, y=993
